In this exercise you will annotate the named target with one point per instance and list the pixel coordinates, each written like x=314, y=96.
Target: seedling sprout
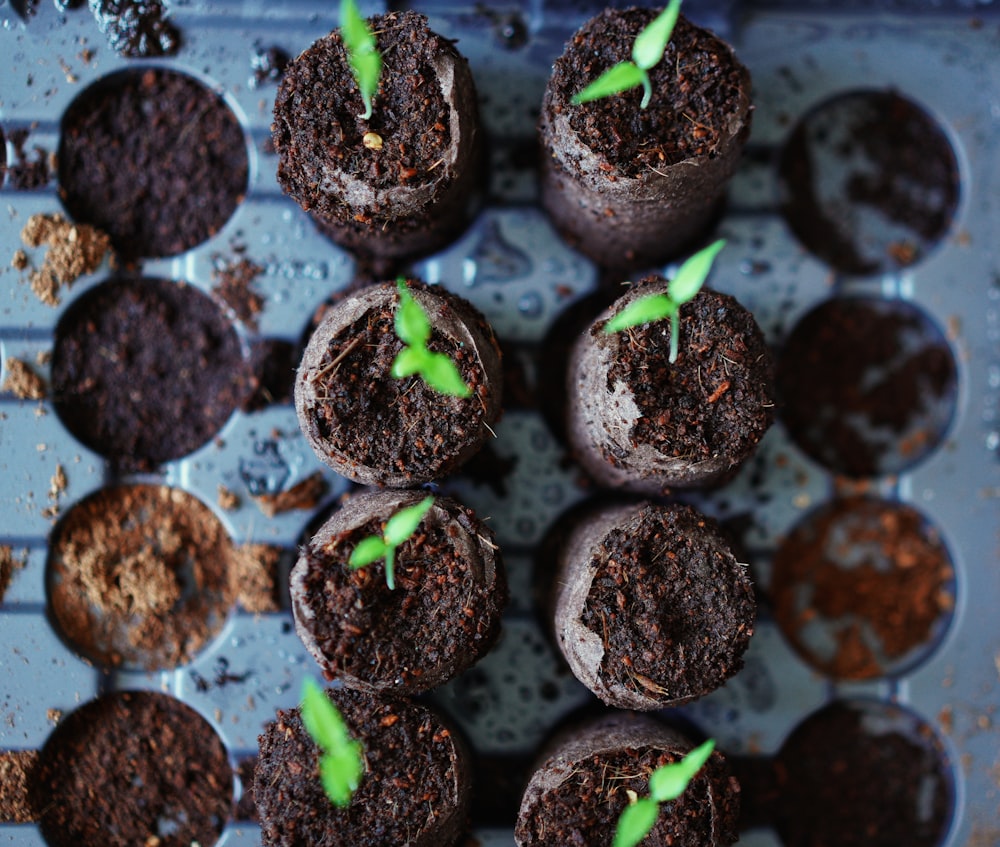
x=666, y=783
x=414, y=329
x=683, y=287
x=397, y=530
x=647, y=51
x=362, y=53
x=342, y=762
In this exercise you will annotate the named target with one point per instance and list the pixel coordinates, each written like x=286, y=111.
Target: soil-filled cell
x=153, y=158
x=869, y=182
x=866, y=386
x=145, y=371
x=863, y=588
x=863, y=774
x=134, y=768
x=140, y=576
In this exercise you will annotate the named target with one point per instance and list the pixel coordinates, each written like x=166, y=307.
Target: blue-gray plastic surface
x=512, y=265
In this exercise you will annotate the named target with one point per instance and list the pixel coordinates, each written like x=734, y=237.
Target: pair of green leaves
x=683, y=288
x=397, y=530
x=666, y=783
x=647, y=51
x=362, y=52
x=342, y=761
x=414, y=329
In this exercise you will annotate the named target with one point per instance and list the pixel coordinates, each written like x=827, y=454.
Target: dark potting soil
x=870, y=182
x=272, y=364
x=401, y=424
x=29, y=170
x=867, y=387
x=866, y=776
x=153, y=158
x=145, y=371
x=412, y=781
x=673, y=608
x=584, y=808
x=695, y=93
x=140, y=575
x=136, y=28
x=318, y=108
x=716, y=398
x=872, y=575
x=133, y=768
x=442, y=613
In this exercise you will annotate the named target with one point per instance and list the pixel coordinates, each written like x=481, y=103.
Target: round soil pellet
x=442, y=615
x=867, y=386
x=652, y=608
x=863, y=588
x=140, y=576
x=379, y=430
x=154, y=159
x=133, y=768
x=145, y=371
x=414, y=791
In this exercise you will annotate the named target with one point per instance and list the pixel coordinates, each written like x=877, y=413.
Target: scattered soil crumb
x=303, y=495
x=23, y=382
x=53, y=716
x=17, y=768
x=19, y=261
x=9, y=565
x=233, y=284
x=43, y=358
x=74, y=250
x=257, y=577
x=228, y=500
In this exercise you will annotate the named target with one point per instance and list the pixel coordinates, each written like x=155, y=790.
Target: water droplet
x=530, y=304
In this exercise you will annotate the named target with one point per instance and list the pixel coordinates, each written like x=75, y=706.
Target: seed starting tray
x=510, y=263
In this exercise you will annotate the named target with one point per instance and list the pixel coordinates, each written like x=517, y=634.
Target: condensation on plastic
x=511, y=265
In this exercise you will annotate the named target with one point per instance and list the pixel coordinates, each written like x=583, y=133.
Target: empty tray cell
x=153, y=158
x=863, y=588
x=145, y=371
x=140, y=576
x=867, y=386
x=864, y=774
x=134, y=768
x=869, y=182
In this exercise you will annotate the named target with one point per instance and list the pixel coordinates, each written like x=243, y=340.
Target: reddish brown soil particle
x=233, y=284
x=9, y=565
x=22, y=381
x=304, y=495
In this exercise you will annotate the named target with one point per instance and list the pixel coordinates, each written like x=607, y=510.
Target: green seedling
x=666, y=783
x=362, y=53
x=397, y=530
x=683, y=288
x=414, y=329
x=342, y=762
x=647, y=51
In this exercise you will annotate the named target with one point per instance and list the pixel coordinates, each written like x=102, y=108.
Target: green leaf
x=321, y=718
x=441, y=374
x=405, y=522
x=412, y=324
x=368, y=550
x=650, y=44
x=668, y=782
x=652, y=307
x=635, y=822
x=341, y=772
x=409, y=361
x=693, y=273
x=614, y=80
x=362, y=52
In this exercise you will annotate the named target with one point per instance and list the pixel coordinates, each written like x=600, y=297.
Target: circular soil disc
x=869, y=182
x=140, y=576
x=153, y=158
x=134, y=768
x=864, y=774
x=867, y=386
x=145, y=371
x=863, y=588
